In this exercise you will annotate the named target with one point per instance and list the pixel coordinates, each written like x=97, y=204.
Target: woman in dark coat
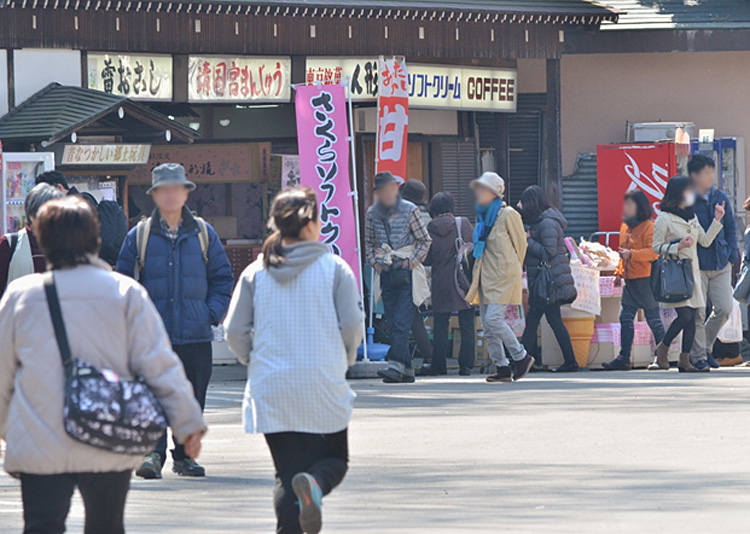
x=546, y=227
x=445, y=297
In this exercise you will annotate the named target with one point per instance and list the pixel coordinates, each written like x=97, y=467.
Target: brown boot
x=661, y=362
x=684, y=365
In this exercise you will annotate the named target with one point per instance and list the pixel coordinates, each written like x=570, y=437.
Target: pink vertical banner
x=324, y=165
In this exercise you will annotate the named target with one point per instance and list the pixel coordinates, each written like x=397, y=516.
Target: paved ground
x=631, y=452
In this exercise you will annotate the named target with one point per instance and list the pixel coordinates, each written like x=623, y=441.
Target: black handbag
x=463, y=273
x=121, y=416
x=671, y=277
x=541, y=288
x=398, y=276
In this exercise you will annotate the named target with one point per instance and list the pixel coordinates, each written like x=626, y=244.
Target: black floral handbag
x=671, y=277
x=541, y=289
x=121, y=416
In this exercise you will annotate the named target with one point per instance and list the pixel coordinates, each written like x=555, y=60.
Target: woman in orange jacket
x=636, y=255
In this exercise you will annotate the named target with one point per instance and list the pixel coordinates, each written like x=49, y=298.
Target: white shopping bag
x=731, y=332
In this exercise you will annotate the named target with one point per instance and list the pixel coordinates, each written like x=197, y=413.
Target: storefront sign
x=324, y=150
x=105, y=155
x=393, y=118
x=239, y=79
x=142, y=77
x=430, y=86
x=211, y=163
x=620, y=168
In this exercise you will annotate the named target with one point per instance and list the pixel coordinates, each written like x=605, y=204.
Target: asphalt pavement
x=636, y=452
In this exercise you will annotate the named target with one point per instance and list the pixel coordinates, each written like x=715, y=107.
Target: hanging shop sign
x=211, y=163
x=393, y=118
x=140, y=77
x=430, y=86
x=105, y=154
x=323, y=145
x=239, y=79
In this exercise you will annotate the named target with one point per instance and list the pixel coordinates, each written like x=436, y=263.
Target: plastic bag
x=731, y=332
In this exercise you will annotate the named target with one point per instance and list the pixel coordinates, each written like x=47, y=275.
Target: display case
x=19, y=170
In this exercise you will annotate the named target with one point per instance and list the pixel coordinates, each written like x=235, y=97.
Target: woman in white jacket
x=111, y=324
x=296, y=319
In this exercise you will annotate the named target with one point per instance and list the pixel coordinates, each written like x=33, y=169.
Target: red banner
x=620, y=168
x=393, y=117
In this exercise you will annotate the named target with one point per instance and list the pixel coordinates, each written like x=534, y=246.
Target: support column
x=552, y=135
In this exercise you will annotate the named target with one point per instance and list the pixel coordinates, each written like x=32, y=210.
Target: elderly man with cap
x=499, y=250
x=180, y=261
x=396, y=241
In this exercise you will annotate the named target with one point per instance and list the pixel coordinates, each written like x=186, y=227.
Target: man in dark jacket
x=715, y=261
x=182, y=264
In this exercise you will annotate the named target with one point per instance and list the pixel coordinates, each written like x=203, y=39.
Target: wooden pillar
x=552, y=137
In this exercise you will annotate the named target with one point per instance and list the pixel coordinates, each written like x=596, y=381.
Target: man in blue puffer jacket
x=180, y=261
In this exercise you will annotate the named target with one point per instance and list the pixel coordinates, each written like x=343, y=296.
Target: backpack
x=114, y=229
x=464, y=263
x=143, y=231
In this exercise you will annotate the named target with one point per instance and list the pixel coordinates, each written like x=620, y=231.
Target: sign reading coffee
x=430, y=86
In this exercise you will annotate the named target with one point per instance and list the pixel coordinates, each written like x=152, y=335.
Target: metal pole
x=355, y=199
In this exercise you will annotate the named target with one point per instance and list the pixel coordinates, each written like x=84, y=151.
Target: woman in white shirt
x=296, y=320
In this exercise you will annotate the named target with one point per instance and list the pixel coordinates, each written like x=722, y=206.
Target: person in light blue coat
x=181, y=262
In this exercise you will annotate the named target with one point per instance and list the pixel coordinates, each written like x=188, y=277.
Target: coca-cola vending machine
x=622, y=167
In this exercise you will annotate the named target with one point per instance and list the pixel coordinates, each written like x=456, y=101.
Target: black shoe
x=464, y=371
x=151, y=467
x=618, y=364
x=522, y=367
x=537, y=367
x=188, y=468
x=712, y=363
x=392, y=376
x=702, y=366
x=502, y=374
x=428, y=370
x=567, y=367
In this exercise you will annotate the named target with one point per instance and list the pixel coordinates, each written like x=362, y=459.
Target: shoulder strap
x=203, y=237
x=55, y=312
x=142, y=233
x=12, y=242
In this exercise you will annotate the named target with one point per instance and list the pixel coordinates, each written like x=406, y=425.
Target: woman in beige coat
x=499, y=250
x=677, y=232
x=111, y=324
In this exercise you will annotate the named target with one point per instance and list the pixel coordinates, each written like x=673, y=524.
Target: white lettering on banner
x=142, y=77
x=654, y=185
x=105, y=154
x=239, y=79
x=430, y=86
x=393, y=125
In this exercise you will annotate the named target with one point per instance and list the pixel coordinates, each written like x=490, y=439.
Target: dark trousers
x=324, y=456
x=627, y=327
x=197, y=359
x=554, y=318
x=46, y=501
x=466, y=354
x=399, y=314
x=421, y=337
x=684, y=322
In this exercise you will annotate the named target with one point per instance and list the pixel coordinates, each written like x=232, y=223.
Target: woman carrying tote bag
x=111, y=324
x=677, y=233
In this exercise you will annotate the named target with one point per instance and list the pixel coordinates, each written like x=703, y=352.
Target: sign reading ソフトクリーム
x=430, y=86
x=142, y=77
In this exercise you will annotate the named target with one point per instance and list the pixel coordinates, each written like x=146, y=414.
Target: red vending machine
x=645, y=166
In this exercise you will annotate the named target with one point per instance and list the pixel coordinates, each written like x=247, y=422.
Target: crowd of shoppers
x=159, y=329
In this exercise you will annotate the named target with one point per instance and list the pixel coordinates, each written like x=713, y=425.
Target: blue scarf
x=486, y=216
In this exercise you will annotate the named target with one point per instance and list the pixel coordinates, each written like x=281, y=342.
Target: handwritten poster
x=587, y=285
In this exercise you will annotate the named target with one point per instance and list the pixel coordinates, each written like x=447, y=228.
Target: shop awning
x=680, y=15
x=58, y=111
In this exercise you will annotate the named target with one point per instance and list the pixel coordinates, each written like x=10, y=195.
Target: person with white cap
x=499, y=250
x=181, y=262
